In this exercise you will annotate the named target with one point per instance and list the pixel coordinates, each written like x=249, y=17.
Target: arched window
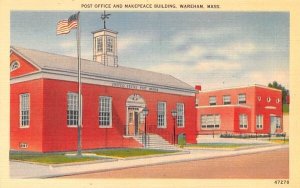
x=14, y=65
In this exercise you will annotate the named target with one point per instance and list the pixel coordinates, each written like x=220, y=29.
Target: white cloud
x=237, y=49
x=210, y=66
x=193, y=53
x=265, y=77
x=182, y=38
x=198, y=68
x=130, y=41
x=68, y=44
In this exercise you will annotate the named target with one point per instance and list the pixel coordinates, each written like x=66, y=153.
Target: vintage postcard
x=152, y=94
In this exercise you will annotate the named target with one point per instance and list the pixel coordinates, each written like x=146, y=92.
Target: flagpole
x=79, y=89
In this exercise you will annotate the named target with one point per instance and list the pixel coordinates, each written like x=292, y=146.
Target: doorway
x=275, y=124
x=135, y=120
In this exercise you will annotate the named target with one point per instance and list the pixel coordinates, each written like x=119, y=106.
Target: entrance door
x=133, y=121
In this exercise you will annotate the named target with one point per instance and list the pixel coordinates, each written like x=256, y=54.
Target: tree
x=285, y=92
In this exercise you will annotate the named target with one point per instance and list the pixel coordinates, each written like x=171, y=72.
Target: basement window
x=23, y=145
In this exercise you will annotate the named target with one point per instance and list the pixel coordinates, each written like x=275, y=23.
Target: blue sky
x=213, y=49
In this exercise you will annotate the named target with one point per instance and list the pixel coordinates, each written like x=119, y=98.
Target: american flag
x=65, y=26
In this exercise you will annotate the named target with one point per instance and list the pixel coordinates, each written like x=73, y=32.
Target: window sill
x=72, y=126
x=105, y=127
x=24, y=127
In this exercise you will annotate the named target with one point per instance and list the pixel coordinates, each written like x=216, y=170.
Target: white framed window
x=243, y=121
x=180, y=114
x=242, y=98
x=212, y=100
x=72, y=110
x=161, y=115
x=269, y=99
x=210, y=121
x=99, y=44
x=109, y=44
x=24, y=110
x=259, y=121
x=226, y=99
x=259, y=98
x=278, y=122
x=105, y=111
x=14, y=65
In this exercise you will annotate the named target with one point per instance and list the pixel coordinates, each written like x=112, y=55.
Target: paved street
x=268, y=164
x=29, y=170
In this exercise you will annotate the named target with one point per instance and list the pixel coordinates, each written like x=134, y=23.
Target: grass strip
x=130, y=152
x=50, y=158
x=220, y=145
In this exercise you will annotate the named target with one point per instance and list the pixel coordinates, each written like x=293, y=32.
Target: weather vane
x=104, y=17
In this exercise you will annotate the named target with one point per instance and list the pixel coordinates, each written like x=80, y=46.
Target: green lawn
x=129, y=152
x=220, y=145
x=50, y=158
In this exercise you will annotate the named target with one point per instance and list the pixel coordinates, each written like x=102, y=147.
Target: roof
x=46, y=61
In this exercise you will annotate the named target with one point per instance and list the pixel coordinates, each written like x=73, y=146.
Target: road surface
x=270, y=164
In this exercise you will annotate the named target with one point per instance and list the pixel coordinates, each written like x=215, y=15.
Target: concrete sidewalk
x=27, y=170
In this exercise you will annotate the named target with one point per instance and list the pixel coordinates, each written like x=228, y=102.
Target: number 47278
x=281, y=181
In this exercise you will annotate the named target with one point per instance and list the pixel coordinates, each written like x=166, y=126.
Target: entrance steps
x=155, y=142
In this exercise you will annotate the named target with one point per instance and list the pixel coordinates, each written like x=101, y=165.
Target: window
x=161, y=115
x=211, y=121
x=226, y=99
x=23, y=145
x=24, y=110
x=109, y=44
x=99, y=44
x=278, y=100
x=180, y=114
x=243, y=121
x=72, y=112
x=197, y=102
x=212, y=100
x=259, y=121
x=278, y=124
x=259, y=98
x=242, y=99
x=105, y=111
x=269, y=99
x=14, y=65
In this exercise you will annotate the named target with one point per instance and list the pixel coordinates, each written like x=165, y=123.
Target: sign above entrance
x=134, y=86
x=135, y=100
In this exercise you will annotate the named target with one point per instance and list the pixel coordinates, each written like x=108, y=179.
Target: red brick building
x=44, y=95
x=250, y=109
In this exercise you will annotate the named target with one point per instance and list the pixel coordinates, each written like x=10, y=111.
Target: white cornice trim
x=240, y=87
x=220, y=106
x=89, y=79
